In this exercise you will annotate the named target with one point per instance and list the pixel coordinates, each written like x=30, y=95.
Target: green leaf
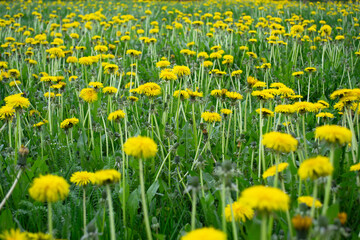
x=332, y=211
x=6, y=220
x=133, y=203
x=150, y=194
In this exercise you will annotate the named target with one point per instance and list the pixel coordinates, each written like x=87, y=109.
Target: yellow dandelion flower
x=16, y=101
x=69, y=123
x=272, y=170
x=140, y=147
x=7, y=112
x=82, y=178
x=38, y=236
x=13, y=234
x=265, y=112
x=308, y=200
x=226, y=111
x=285, y=109
x=205, y=233
x=49, y=188
x=316, y=167
x=301, y=223
x=107, y=176
x=89, y=95
x=182, y=94
x=234, y=96
x=265, y=199
x=241, y=211
x=181, y=71
x=211, y=117
x=162, y=64
x=325, y=115
x=96, y=85
x=355, y=167
x=262, y=95
x=115, y=116
x=167, y=75
x=333, y=134
x=281, y=142
x=109, y=90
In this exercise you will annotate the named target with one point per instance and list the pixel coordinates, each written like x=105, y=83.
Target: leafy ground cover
x=179, y=120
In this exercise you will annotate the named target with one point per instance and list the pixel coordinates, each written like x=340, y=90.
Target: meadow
x=214, y=120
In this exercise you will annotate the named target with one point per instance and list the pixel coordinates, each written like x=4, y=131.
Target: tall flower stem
x=123, y=176
x=84, y=210
x=202, y=183
x=50, y=223
x=304, y=136
x=263, y=227
x=90, y=126
x=315, y=190
x=233, y=223
x=194, y=123
x=328, y=183
x=223, y=198
x=261, y=161
x=49, y=112
x=277, y=158
x=193, y=210
x=11, y=189
x=143, y=201
x=111, y=213
x=9, y=128
x=68, y=145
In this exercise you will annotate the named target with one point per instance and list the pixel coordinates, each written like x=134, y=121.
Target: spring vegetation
x=196, y=120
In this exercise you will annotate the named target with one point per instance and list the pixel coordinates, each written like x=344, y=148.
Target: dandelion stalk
x=84, y=210
x=90, y=126
x=143, y=201
x=261, y=161
x=193, y=210
x=315, y=190
x=11, y=189
x=263, y=227
x=111, y=213
x=123, y=176
x=223, y=198
x=50, y=223
x=194, y=123
x=328, y=183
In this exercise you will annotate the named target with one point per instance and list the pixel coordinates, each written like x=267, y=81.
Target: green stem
x=315, y=190
x=111, y=213
x=304, y=136
x=263, y=227
x=84, y=210
x=123, y=177
x=143, y=200
x=193, y=210
x=202, y=183
x=277, y=158
x=194, y=123
x=50, y=224
x=328, y=183
x=223, y=193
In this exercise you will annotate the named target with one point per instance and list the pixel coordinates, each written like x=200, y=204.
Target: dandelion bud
x=323, y=222
x=155, y=224
x=176, y=160
x=23, y=153
x=91, y=227
x=194, y=183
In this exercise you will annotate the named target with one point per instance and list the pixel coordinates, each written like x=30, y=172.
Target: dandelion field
x=190, y=120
